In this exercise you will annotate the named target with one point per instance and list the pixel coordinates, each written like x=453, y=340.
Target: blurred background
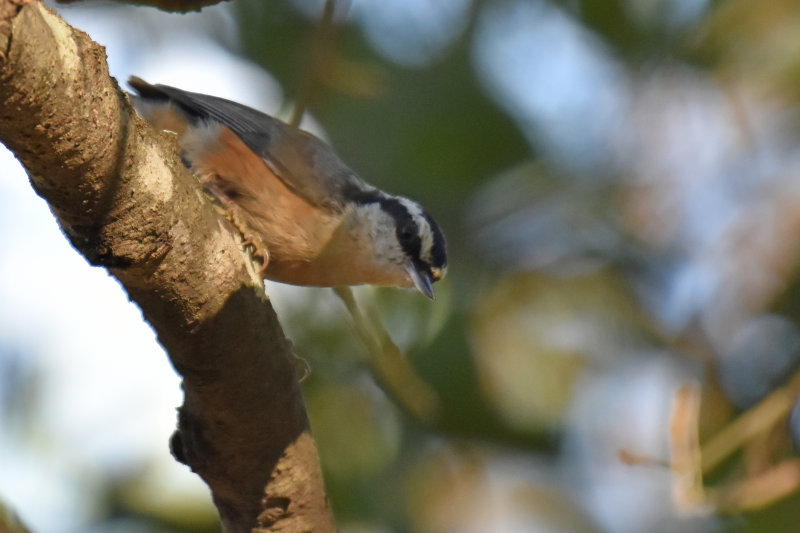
x=615, y=346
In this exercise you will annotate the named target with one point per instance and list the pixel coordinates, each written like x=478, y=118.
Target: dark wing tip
x=137, y=83
x=148, y=91
x=145, y=89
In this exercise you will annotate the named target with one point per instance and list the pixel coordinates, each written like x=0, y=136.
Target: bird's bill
x=422, y=281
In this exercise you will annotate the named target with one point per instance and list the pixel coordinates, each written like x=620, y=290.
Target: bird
x=312, y=219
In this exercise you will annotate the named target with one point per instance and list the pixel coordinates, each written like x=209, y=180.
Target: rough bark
x=125, y=201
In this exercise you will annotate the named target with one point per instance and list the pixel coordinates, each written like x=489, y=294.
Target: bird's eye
x=406, y=232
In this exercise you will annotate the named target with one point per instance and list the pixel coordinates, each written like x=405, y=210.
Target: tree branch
x=125, y=201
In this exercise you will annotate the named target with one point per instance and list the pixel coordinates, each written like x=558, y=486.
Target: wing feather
x=303, y=162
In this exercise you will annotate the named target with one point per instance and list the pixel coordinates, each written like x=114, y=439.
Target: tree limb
x=125, y=201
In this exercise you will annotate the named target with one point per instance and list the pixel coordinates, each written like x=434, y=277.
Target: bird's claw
x=250, y=240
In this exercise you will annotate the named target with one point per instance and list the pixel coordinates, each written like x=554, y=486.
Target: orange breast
x=294, y=231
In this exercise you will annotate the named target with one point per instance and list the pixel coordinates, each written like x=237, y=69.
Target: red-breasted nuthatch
x=320, y=223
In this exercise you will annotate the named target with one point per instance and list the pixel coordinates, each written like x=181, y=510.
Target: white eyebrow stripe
x=425, y=230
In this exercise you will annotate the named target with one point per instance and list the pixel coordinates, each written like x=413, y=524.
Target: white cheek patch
x=381, y=231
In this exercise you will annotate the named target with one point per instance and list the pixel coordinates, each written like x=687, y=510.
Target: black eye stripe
x=407, y=228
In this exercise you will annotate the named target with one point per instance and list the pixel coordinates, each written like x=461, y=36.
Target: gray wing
x=303, y=162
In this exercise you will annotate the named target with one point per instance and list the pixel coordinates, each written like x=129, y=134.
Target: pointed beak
x=422, y=281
